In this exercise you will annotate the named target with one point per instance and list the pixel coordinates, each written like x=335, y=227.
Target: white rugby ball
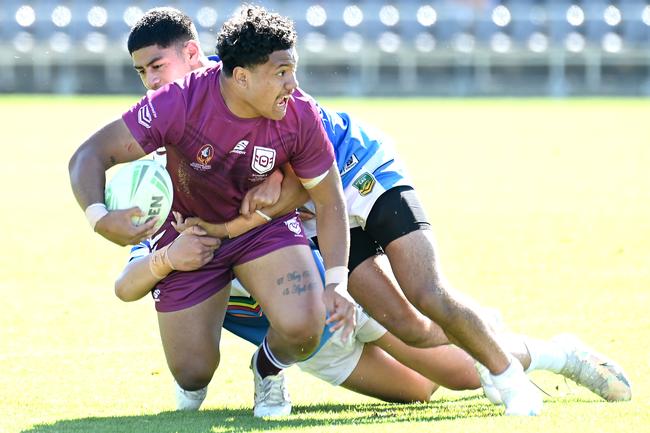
x=145, y=184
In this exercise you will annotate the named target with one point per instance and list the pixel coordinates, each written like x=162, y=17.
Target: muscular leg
x=190, y=339
x=447, y=365
x=372, y=286
x=287, y=285
x=414, y=263
x=375, y=365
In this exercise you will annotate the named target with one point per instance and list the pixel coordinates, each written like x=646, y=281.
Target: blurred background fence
x=357, y=47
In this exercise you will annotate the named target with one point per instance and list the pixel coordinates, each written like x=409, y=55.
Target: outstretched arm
x=189, y=251
x=111, y=145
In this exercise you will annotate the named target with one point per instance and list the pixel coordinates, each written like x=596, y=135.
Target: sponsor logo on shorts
x=263, y=159
x=240, y=147
x=349, y=164
x=146, y=114
x=294, y=226
x=203, y=158
x=156, y=295
x=364, y=183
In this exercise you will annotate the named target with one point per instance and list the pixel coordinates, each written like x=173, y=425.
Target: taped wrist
x=336, y=275
x=94, y=213
x=159, y=263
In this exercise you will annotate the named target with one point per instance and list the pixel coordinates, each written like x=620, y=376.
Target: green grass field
x=541, y=209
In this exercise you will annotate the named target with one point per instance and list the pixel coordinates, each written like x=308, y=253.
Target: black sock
x=266, y=363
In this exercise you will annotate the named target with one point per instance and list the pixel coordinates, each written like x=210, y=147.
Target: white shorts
x=373, y=179
x=334, y=363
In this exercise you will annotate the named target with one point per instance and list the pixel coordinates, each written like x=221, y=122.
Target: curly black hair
x=251, y=35
x=163, y=27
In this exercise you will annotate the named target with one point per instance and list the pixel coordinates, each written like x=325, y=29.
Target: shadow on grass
x=229, y=420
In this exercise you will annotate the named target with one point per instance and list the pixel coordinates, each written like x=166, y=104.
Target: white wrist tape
x=336, y=275
x=263, y=215
x=95, y=212
x=159, y=263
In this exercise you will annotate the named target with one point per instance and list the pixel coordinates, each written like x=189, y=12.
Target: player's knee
x=421, y=394
x=192, y=374
x=411, y=331
x=416, y=393
x=302, y=335
x=437, y=302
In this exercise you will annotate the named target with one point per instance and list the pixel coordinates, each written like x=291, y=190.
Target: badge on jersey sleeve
x=263, y=159
x=364, y=183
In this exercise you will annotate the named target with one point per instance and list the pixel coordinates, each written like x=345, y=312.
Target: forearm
x=87, y=178
x=292, y=196
x=333, y=233
x=242, y=224
x=141, y=275
x=331, y=219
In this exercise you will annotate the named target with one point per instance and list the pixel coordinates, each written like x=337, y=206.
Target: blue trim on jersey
x=355, y=145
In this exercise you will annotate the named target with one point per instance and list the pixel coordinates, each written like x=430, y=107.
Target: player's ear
x=240, y=76
x=193, y=51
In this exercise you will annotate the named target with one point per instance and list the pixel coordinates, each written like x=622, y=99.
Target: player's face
x=272, y=83
x=158, y=66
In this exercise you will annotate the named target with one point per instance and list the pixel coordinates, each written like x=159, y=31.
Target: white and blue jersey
x=358, y=147
x=367, y=162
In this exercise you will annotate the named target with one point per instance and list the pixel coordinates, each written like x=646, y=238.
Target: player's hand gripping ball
x=145, y=184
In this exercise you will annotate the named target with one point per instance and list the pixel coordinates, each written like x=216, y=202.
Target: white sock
x=514, y=372
x=189, y=400
x=544, y=355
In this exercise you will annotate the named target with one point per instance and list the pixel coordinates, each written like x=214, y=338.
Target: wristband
x=263, y=215
x=336, y=275
x=159, y=263
x=95, y=212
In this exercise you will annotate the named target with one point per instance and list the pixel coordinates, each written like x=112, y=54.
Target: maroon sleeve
x=158, y=119
x=314, y=154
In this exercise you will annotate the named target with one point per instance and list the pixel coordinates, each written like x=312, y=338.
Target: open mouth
x=283, y=101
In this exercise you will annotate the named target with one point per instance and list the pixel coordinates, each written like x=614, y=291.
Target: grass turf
x=541, y=209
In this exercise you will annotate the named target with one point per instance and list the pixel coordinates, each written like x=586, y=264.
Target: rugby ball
x=145, y=184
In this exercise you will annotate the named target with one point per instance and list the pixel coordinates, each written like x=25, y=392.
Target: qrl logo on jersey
x=263, y=159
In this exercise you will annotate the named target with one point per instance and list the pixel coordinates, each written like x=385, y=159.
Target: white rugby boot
x=519, y=395
x=271, y=395
x=592, y=370
x=189, y=400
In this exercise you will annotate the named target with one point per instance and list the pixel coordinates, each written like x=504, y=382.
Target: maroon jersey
x=214, y=157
